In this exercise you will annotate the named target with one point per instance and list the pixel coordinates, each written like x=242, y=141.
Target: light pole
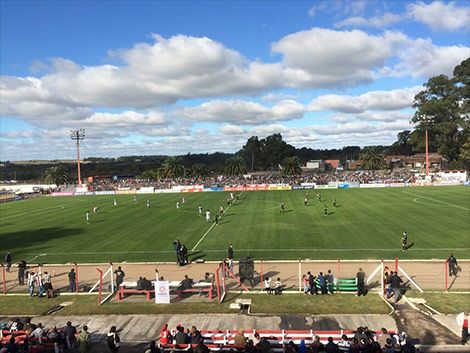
x=426, y=119
x=78, y=135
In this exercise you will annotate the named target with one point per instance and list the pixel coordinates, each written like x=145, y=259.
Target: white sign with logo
x=162, y=292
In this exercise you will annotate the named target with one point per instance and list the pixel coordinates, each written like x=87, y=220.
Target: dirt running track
x=428, y=274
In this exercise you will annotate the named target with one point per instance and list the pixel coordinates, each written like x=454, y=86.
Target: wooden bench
x=131, y=288
x=200, y=287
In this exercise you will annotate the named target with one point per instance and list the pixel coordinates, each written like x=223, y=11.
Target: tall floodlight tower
x=78, y=135
x=427, y=120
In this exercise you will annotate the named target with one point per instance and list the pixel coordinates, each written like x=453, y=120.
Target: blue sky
x=170, y=77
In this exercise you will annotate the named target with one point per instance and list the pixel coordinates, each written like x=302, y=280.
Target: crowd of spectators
x=24, y=336
x=363, y=177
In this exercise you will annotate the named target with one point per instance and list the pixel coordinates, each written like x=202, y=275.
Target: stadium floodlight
x=427, y=120
x=78, y=135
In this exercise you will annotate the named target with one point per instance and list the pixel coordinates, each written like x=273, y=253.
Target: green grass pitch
x=367, y=224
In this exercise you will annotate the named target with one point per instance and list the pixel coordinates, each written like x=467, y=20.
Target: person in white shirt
x=267, y=285
x=208, y=216
x=278, y=287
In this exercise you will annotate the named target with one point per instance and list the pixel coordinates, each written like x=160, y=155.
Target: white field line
x=435, y=200
x=212, y=226
x=252, y=250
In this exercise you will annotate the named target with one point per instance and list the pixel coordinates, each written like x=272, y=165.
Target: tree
x=56, y=175
x=150, y=174
x=291, y=166
x=372, y=159
x=274, y=150
x=235, y=166
x=443, y=108
x=199, y=170
x=171, y=168
x=251, y=152
x=402, y=145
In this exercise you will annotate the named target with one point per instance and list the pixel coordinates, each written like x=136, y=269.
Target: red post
x=261, y=275
x=446, y=270
x=78, y=164
x=217, y=279
x=427, y=152
x=396, y=264
x=100, y=287
x=4, y=280
x=76, y=277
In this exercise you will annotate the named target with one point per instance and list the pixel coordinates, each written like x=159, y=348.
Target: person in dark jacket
x=113, y=340
x=180, y=336
x=331, y=347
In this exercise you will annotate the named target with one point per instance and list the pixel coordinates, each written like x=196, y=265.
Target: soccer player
x=404, y=241
x=95, y=209
x=135, y=199
x=177, y=205
x=221, y=209
x=325, y=210
x=334, y=201
x=199, y=210
x=231, y=196
x=87, y=216
x=319, y=197
x=228, y=201
x=283, y=207
x=114, y=202
x=183, y=200
x=217, y=220
x=148, y=203
x=208, y=216
x=306, y=200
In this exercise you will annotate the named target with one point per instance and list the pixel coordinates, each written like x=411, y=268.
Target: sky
x=178, y=77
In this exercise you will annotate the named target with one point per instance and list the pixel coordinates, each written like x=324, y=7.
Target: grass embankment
x=261, y=304
x=446, y=303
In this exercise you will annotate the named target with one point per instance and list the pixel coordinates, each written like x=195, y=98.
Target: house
x=417, y=161
x=354, y=165
x=333, y=164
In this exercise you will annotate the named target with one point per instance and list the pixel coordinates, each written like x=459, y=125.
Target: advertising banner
x=62, y=194
x=326, y=187
x=162, y=292
x=146, y=190
x=373, y=185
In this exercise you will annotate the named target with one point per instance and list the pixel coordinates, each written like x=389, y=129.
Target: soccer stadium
x=171, y=182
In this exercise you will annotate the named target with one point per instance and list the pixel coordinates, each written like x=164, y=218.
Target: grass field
x=367, y=223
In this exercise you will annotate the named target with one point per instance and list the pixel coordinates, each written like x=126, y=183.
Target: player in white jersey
x=115, y=202
x=87, y=216
x=148, y=203
x=177, y=205
x=199, y=209
x=95, y=209
x=208, y=216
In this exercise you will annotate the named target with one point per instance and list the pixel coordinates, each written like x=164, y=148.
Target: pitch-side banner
x=162, y=292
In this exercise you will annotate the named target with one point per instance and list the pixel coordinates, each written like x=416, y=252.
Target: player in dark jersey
x=334, y=201
x=283, y=207
x=217, y=219
x=306, y=200
x=325, y=210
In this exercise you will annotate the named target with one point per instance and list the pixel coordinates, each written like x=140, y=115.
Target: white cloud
x=381, y=21
x=242, y=112
x=323, y=57
x=375, y=100
x=231, y=130
x=441, y=16
x=421, y=58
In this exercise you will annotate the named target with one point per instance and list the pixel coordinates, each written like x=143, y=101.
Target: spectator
x=54, y=336
x=463, y=321
x=388, y=347
x=180, y=336
x=311, y=283
x=195, y=335
x=278, y=287
x=165, y=336
x=330, y=282
x=316, y=345
x=113, y=340
x=28, y=326
x=84, y=340
x=12, y=346
x=240, y=339
x=453, y=266
x=382, y=339
x=31, y=283
x=186, y=283
x=305, y=283
x=8, y=261
x=360, y=281
x=16, y=325
x=355, y=347
x=395, y=285
x=322, y=283
x=230, y=252
x=140, y=284
x=47, y=281
x=291, y=347
x=72, y=281
x=267, y=285
x=37, y=333
x=21, y=272
x=153, y=348
x=40, y=284
x=331, y=347
x=119, y=276
x=344, y=342
x=264, y=346
x=250, y=347
x=69, y=333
